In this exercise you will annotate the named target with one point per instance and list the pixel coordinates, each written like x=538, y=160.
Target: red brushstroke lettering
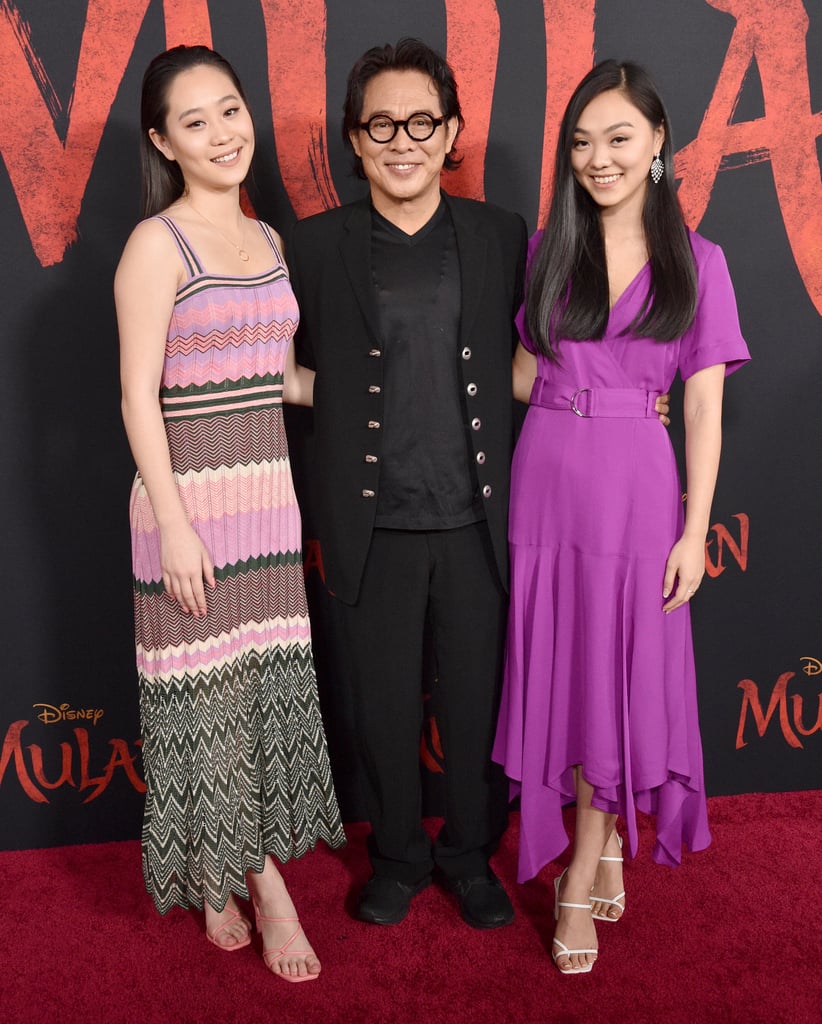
x=472, y=51
x=188, y=23
x=796, y=700
x=569, y=54
x=12, y=748
x=773, y=36
x=723, y=540
x=778, y=700
x=295, y=35
x=431, y=753
x=120, y=758
x=313, y=558
x=65, y=777
x=50, y=177
x=427, y=758
x=436, y=742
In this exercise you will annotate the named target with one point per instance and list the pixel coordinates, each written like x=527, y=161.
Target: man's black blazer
x=329, y=258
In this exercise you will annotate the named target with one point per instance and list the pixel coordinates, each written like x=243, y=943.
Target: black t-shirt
x=427, y=481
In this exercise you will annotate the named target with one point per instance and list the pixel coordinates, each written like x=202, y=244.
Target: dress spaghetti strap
x=269, y=234
x=187, y=254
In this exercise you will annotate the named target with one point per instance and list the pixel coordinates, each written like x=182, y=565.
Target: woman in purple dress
x=599, y=701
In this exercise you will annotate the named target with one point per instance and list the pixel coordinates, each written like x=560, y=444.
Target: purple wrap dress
x=595, y=674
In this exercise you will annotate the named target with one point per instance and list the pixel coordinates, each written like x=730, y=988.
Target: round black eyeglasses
x=418, y=127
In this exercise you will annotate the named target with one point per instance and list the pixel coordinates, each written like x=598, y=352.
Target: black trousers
x=449, y=579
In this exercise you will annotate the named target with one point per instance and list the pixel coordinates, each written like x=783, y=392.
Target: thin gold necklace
x=240, y=250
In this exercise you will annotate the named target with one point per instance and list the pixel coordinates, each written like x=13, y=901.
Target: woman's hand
x=686, y=567
x=663, y=409
x=702, y=407
x=185, y=564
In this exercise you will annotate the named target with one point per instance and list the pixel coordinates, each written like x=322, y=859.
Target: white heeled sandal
x=615, y=902
x=563, y=949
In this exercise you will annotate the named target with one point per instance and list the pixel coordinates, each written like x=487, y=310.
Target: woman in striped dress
x=233, y=744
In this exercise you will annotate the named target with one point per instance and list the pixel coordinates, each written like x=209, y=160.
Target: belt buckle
x=573, y=403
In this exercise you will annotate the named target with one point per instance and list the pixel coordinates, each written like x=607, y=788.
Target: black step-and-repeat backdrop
x=743, y=82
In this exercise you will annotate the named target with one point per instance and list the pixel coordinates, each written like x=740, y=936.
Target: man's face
x=403, y=172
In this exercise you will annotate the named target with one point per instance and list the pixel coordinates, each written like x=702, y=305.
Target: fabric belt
x=587, y=402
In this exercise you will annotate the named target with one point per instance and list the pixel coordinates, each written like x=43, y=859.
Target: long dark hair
x=408, y=55
x=162, y=181
x=567, y=291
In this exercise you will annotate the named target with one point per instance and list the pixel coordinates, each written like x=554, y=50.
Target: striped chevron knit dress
x=234, y=750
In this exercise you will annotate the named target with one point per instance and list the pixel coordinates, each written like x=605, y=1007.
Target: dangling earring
x=657, y=169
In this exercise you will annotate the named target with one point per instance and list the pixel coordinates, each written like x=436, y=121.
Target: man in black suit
x=407, y=303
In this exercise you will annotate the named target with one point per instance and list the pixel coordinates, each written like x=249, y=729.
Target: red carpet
x=731, y=937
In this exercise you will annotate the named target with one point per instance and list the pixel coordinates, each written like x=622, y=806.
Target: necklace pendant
x=243, y=255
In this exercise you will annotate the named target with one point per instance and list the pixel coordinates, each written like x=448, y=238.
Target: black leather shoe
x=483, y=901
x=386, y=901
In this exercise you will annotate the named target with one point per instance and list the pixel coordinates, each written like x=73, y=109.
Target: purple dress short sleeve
x=715, y=335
